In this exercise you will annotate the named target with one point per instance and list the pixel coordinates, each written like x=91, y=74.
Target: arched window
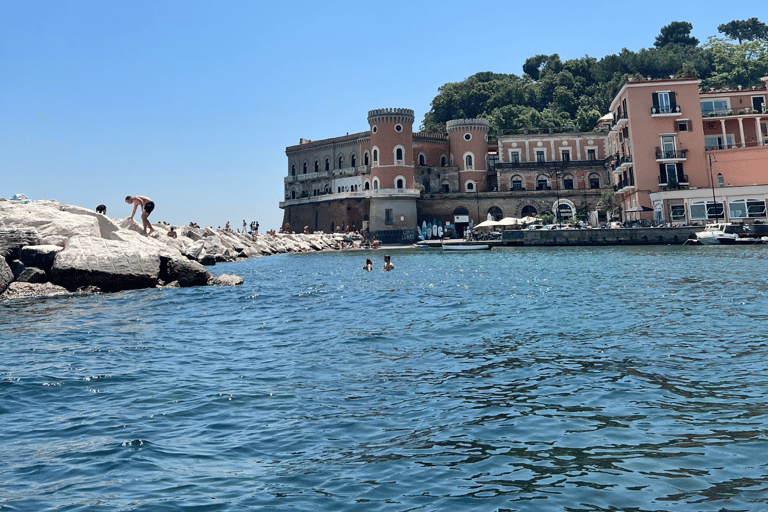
x=352, y=161
x=528, y=211
x=305, y=167
x=720, y=181
x=293, y=170
x=422, y=160
x=375, y=157
x=399, y=154
x=365, y=159
x=341, y=162
x=293, y=194
x=442, y=161
x=317, y=166
x=367, y=186
x=327, y=164
x=470, y=185
x=399, y=183
x=496, y=213
x=375, y=184
x=594, y=181
x=468, y=162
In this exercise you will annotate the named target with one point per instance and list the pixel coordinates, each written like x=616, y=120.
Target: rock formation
x=48, y=246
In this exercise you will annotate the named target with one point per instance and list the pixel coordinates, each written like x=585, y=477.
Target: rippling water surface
x=578, y=379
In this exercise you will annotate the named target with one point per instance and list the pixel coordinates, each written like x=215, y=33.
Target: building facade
x=682, y=156
x=388, y=180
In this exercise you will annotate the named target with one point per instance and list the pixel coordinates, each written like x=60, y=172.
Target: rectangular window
x=594, y=183
x=517, y=185
x=541, y=185
x=664, y=104
x=492, y=161
x=514, y=157
x=668, y=147
x=568, y=183
x=591, y=155
x=682, y=126
x=714, y=107
x=707, y=211
x=671, y=173
x=540, y=156
x=565, y=156
x=677, y=213
x=389, y=219
x=717, y=142
x=746, y=208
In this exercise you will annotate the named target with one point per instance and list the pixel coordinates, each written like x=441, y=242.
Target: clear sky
x=193, y=103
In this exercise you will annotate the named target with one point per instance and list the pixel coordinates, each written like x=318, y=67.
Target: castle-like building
x=388, y=180
x=671, y=153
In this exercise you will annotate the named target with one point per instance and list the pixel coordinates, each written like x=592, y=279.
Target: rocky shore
x=48, y=248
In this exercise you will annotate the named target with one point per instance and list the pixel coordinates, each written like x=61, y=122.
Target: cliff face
x=50, y=248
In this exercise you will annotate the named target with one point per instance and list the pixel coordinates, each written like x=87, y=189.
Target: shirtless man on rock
x=147, y=206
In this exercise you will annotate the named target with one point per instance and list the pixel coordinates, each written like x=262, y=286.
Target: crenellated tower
x=468, y=139
x=393, y=196
x=391, y=147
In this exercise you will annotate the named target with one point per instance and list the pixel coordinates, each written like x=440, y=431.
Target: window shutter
x=680, y=172
x=656, y=101
x=663, y=173
x=672, y=102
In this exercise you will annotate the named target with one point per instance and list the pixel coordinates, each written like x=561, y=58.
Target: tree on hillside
x=736, y=65
x=677, y=32
x=744, y=30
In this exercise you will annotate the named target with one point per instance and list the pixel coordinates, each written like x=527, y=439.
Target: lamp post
x=557, y=186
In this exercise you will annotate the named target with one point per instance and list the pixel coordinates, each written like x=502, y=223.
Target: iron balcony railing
x=670, y=154
x=664, y=181
x=546, y=164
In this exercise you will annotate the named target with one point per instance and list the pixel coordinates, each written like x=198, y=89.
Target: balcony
x=666, y=182
x=622, y=184
x=549, y=164
x=666, y=110
x=670, y=154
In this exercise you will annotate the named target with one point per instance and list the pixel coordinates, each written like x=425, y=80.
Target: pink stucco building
x=683, y=156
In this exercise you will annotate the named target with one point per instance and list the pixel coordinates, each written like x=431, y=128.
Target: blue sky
x=193, y=103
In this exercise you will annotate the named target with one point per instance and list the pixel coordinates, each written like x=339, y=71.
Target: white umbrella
x=509, y=221
x=487, y=224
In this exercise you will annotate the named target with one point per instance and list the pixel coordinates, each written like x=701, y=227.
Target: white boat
x=465, y=246
x=716, y=233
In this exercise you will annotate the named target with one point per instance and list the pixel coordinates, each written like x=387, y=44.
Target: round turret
x=391, y=147
x=469, y=146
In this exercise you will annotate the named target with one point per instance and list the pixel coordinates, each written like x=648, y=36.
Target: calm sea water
x=578, y=379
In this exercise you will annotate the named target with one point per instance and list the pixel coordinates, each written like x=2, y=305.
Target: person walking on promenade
x=147, y=206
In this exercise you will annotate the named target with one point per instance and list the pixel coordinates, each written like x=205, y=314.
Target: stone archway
x=528, y=211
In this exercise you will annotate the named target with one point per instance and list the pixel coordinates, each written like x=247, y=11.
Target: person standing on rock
x=146, y=208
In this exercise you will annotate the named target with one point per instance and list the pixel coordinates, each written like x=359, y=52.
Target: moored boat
x=717, y=233
x=465, y=246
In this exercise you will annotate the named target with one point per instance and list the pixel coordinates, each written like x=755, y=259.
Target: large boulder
x=50, y=218
x=12, y=240
x=109, y=264
x=6, y=276
x=39, y=256
x=184, y=271
x=33, y=275
x=226, y=280
x=18, y=290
